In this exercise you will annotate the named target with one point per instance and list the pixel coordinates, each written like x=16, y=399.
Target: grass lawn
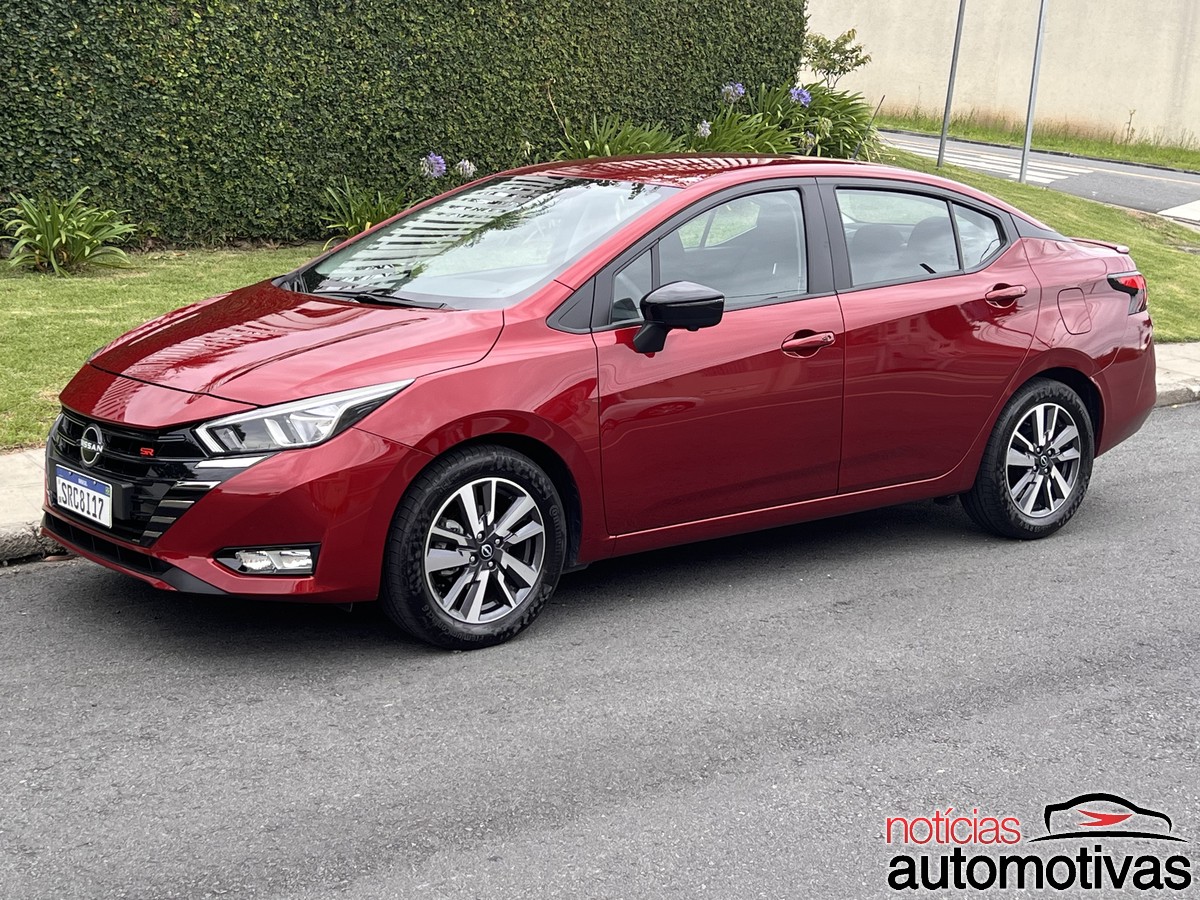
x=49, y=326
x=1050, y=137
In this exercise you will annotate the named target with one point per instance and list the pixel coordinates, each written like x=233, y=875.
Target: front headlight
x=301, y=423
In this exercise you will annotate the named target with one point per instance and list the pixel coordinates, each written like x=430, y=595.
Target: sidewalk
x=21, y=472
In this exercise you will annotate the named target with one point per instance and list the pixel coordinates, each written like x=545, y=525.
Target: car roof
x=680, y=170
x=687, y=170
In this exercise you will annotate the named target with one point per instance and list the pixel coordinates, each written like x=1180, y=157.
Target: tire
x=446, y=586
x=1035, y=490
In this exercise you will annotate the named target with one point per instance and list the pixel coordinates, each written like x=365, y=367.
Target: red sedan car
x=569, y=362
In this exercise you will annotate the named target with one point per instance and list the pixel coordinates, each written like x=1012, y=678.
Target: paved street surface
x=1174, y=194
x=728, y=720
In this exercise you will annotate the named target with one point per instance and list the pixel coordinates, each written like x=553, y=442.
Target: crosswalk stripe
x=1008, y=166
x=926, y=150
x=1007, y=171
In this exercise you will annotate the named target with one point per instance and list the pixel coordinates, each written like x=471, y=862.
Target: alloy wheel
x=485, y=550
x=1043, y=459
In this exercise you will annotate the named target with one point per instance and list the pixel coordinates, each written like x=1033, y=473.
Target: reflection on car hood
x=264, y=345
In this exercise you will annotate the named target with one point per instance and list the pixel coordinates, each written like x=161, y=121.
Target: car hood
x=263, y=345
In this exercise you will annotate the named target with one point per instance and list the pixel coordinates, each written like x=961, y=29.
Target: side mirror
x=680, y=304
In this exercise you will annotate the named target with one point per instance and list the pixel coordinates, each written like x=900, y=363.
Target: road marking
x=1189, y=211
x=996, y=163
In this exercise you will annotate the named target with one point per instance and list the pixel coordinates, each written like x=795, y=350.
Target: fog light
x=270, y=560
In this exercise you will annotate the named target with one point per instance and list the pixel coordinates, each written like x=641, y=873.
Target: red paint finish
x=126, y=401
x=264, y=345
x=784, y=411
x=722, y=420
x=927, y=365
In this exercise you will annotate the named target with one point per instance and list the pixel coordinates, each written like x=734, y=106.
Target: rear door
x=940, y=308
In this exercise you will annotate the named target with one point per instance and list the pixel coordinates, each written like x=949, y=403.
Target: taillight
x=1133, y=284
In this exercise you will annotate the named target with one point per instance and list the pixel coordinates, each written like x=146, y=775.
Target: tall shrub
x=219, y=119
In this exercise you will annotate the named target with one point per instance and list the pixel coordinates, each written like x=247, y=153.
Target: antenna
x=870, y=125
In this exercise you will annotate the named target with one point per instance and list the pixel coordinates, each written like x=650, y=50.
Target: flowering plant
x=733, y=92
x=433, y=166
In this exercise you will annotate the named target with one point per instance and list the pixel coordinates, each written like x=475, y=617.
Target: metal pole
x=962, y=9
x=1033, y=82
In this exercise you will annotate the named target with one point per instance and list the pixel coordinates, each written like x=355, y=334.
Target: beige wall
x=1100, y=59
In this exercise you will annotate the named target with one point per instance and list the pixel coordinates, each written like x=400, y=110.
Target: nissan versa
x=569, y=362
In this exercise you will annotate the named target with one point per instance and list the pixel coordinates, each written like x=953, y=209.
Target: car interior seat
x=931, y=247
x=875, y=253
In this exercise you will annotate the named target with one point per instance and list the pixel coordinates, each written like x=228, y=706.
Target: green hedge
x=227, y=119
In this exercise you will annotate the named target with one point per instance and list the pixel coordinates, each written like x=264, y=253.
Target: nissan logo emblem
x=91, y=445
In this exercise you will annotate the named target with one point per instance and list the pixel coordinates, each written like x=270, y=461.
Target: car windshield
x=487, y=246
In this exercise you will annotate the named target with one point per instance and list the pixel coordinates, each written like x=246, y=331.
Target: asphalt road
x=730, y=720
x=1176, y=194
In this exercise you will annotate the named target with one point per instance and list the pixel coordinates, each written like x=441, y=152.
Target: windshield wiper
x=380, y=297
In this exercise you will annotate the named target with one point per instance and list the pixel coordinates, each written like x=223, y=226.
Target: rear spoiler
x=1120, y=248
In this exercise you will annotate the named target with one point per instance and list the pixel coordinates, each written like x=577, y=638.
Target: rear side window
x=978, y=234
x=896, y=236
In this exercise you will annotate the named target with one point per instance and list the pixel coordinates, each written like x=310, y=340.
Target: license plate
x=84, y=496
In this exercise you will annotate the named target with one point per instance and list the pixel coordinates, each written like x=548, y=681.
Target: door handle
x=1003, y=295
x=806, y=343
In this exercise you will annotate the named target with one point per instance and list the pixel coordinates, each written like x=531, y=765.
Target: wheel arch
x=1082, y=385
x=563, y=456
x=555, y=467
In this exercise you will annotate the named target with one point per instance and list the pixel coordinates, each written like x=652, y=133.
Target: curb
x=1177, y=395
x=20, y=542
x=25, y=542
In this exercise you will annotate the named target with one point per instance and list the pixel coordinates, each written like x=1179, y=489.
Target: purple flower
x=704, y=129
x=433, y=166
x=801, y=96
x=465, y=168
x=733, y=92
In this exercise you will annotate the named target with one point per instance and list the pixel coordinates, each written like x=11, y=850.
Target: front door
x=741, y=416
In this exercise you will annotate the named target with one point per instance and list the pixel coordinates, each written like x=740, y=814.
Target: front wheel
x=476, y=549
x=1037, y=464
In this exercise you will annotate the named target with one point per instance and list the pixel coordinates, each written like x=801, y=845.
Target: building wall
x=1100, y=59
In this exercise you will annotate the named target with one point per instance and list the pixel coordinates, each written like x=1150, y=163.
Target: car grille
x=155, y=472
x=109, y=550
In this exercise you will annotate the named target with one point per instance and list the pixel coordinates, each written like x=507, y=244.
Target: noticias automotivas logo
x=1087, y=819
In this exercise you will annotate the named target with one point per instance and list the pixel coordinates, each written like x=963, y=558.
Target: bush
x=835, y=124
x=611, y=136
x=220, y=119
x=50, y=235
x=352, y=210
x=831, y=59
x=732, y=131
x=813, y=120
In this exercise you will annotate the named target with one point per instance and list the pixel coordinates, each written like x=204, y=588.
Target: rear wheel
x=476, y=548
x=1037, y=464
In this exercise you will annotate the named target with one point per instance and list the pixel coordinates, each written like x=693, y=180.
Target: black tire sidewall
x=406, y=597
x=990, y=503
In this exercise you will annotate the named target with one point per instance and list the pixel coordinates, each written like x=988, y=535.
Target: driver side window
x=751, y=249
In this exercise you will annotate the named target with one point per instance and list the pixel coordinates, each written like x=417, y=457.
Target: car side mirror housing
x=680, y=304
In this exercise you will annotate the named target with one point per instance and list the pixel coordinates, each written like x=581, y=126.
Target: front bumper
x=340, y=495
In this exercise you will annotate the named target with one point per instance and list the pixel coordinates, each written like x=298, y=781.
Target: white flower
x=465, y=168
x=703, y=129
